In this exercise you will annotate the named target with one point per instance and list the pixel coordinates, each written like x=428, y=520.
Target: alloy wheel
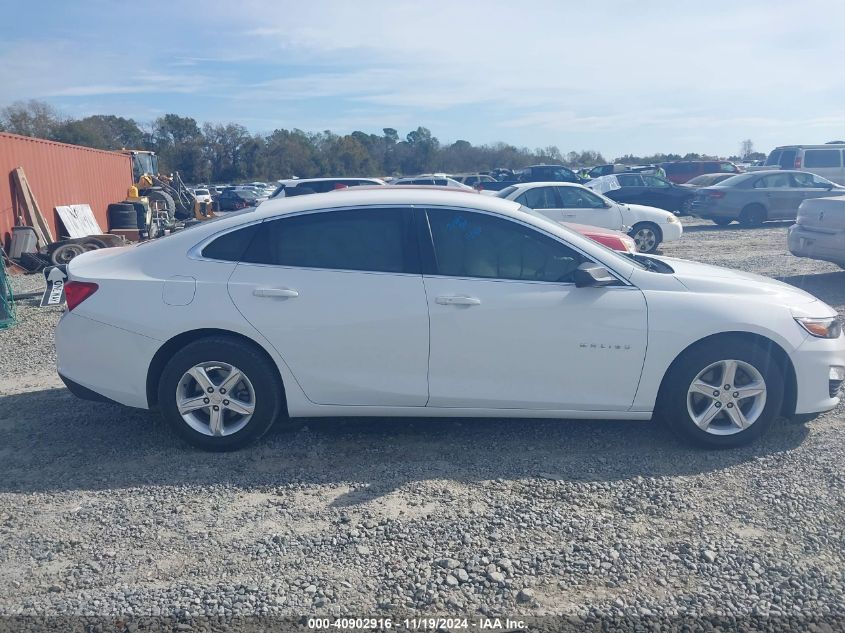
x=726, y=397
x=215, y=398
x=645, y=239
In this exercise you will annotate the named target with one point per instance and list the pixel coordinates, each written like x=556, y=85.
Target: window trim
x=429, y=260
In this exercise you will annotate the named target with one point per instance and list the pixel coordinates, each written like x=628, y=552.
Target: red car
x=615, y=240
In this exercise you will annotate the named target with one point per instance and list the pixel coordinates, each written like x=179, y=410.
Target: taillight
x=716, y=194
x=78, y=291
x=797, y=162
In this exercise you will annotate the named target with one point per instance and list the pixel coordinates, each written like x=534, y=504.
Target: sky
x=617, y=76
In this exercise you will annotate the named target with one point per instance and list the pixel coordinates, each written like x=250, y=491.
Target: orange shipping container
x=60, y=174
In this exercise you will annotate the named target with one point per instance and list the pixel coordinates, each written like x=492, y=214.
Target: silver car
x=756, y=197
x=819, y=232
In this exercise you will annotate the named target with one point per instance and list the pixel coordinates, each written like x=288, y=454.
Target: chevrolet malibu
x=408, y=302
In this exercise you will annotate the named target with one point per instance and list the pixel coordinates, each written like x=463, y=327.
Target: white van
x=823, y=160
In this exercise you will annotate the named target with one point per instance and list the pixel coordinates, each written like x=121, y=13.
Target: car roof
x=295, y=181
x=385, y=195
x=531, y=185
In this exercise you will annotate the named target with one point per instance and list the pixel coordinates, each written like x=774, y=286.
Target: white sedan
x=568, y=202
x=398, y=301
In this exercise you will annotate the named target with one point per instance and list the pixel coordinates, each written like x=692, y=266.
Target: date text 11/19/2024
x=417, y=624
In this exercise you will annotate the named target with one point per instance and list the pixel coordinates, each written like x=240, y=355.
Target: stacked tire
x=122, y=215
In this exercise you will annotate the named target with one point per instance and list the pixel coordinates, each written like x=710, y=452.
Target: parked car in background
x=296, y=186
x=569, y=202
x=681, y=171
x=705, y=180
x=652, y=191
x=436, y=180
x=755, y=197
x=618, y=168
x=819, y=230
x=236, y=199
x=202, y=195
x=535, y=173
x=322, y=306
x=473, y=179
x=827, y=161
x=614, y=240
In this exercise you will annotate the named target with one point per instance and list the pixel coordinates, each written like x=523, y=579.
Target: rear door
x=777, y=194
x=545, y=201
x=340, y=296
x=633, y=189
x=509, y=329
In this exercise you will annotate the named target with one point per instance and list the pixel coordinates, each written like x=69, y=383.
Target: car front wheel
x=647, y=236
x=724, y=394
x=219, y=393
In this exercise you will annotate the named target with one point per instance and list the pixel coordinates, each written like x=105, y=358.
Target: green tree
x=31, y=118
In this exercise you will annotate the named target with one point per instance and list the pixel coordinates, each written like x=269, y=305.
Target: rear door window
x=539, y=198
x=629, y=180
x=366, y=239
x=775, y=181
x=822, y=158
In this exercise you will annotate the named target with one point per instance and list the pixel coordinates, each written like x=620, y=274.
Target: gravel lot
x=104, y=512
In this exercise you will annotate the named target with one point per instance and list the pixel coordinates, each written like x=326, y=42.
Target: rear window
x=504, y=193
x=822, y=158
x=231, y=247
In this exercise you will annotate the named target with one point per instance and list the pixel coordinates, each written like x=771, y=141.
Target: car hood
x=704, y=278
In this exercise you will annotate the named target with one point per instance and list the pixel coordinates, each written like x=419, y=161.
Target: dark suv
x=680, y=171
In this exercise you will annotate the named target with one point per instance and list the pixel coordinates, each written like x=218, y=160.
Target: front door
x=509, y=329
x=339, y=295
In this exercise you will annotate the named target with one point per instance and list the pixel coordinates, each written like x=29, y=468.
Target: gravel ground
x=104, y=512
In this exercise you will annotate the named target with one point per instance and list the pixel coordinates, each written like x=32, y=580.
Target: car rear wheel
x=647, y=236
x=722, y=221
x=753, y=215
x=723, y=394
x=219, y=393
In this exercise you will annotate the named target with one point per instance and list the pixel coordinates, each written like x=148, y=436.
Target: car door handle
x=458, y=301
x=569, y=215
x=275, y=292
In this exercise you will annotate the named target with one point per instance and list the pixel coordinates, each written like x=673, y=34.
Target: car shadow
x=51, y=441
x=829, y=287
x=735, y=226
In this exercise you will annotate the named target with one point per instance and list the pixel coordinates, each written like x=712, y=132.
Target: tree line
x=231, y=153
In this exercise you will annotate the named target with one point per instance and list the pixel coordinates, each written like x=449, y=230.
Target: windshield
x=144, y=164
x=504, y=193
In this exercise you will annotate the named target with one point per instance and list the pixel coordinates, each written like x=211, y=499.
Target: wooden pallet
x=31, y=211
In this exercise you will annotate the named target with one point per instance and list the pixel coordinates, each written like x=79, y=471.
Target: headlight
x=830, y=327
x=671, y=219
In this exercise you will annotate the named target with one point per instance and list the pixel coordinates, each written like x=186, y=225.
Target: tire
x=753, y=215
x=217, y=355
x=166, y=198
x=685, y=208
x=647, y=236
x=92, y=244
x=66, y=252
x=679, y=401
x=722, y=221
x=122, y=215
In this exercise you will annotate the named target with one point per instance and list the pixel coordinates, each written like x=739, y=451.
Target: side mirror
x=589, y=275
